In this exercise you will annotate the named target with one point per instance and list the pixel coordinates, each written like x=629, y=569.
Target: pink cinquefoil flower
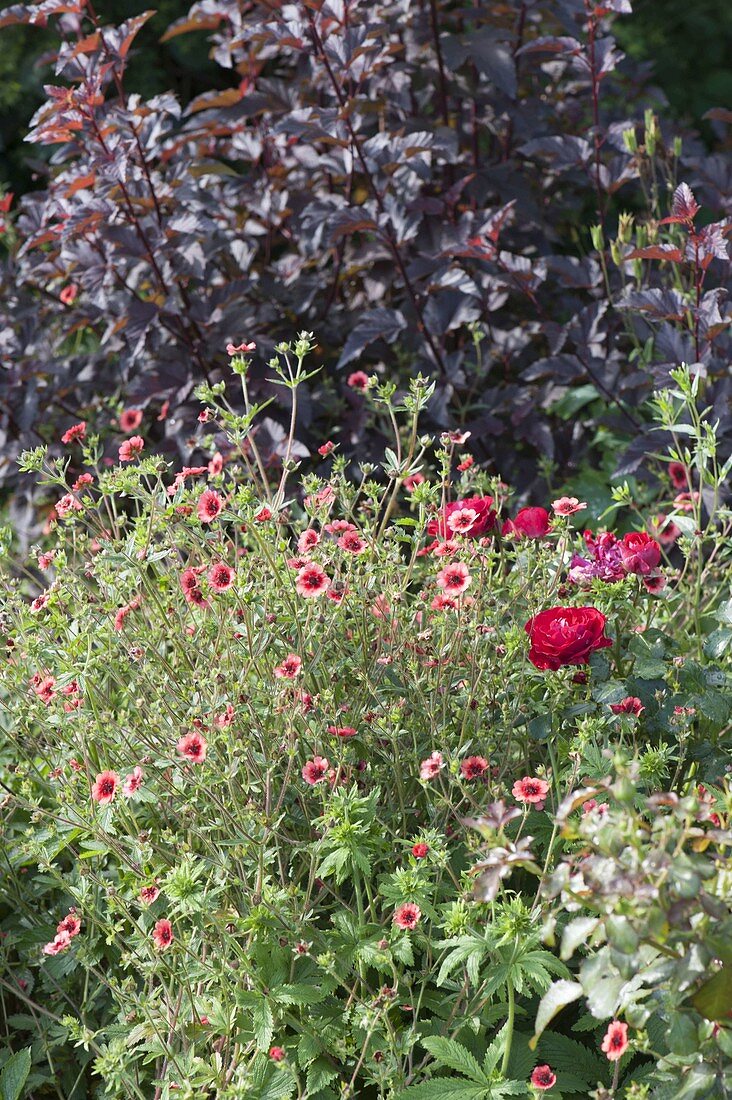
x=59, y=943
x=567, y=506
x=342, y=731
x=473, y=767
x=312, y=580
x=407, y=916
x=485, y=518
x=316, y=770
x=131, y=448
x=615, y=1043
x=162, y=934
x=432, y=766
x=193, y=746
x=454, y=578
x=352, y=542
x=358, y=380
x=237, y=349
x=543, y=1078
x=530, y=789
x=133, y=782
x=209, y=506
x=71, y=925
x=289, y=668
x=149, y=894
x=308, y=539
x=104, y=787
x=75, y=434
x=221, y=577
x=130, y=419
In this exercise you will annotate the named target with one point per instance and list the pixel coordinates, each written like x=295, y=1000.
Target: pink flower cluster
x=66, y=929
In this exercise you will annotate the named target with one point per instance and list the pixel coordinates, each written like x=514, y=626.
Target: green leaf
x=299, y=994
x=558, y=995
x=442, y=1089
x=15, y=1074
x=263, y=1024
x=576, y=932
x=714, y=1000
x=454, y=1055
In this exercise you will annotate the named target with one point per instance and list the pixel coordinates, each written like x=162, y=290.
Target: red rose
x=565, y=636
x=530, y=523
x=640, y=553
x=484, y=519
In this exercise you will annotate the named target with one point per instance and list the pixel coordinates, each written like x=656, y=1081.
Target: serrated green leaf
x=443, y=1089
x=15, y=1074
x=263, y=1024
x=453, y=1055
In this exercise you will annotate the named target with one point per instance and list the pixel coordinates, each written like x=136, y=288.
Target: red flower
x=193, y=746
x=315, y=770
x=149, y=894
x=312, y=580
x=473, y=767
x=105, y=788
x=209, y=505
x=530, y=789
x=221, y=576
x=289, y=668
x=679, y=475
x=565, y=636
x=631, y=704
x=358, y=381
x=665, y=530
x=640, y=553
x=162, y=934
x=454, y=578
x=419, y=851
x=485, y=518
x=263, y=515
x=352, y=542
x=412, y=481
x=233, y=349
x=133, y=782
x=77, y=432
x=543, y=1078
x=326, y=448
x=59, y=943
x=131, y=448
x=71, y=925
x=407, y=916
x=308, y=539
x=277, y=1054
x=530, y=523
x=615, y=1043
x=342, y=731
x=432, y=766
x=68, y=295
x=130, y=419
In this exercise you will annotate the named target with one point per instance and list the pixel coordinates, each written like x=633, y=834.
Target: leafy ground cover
x=377, y=788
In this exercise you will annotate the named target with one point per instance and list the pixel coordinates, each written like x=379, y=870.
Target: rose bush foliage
x=290, y=810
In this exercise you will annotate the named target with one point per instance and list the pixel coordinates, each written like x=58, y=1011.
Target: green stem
x=509, y=1024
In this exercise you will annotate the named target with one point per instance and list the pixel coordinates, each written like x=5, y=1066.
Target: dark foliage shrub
x=415, y=183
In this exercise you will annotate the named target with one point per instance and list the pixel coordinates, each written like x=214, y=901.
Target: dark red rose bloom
x=530, y=523
x=640, y=553
x=565, y=636
x=485, y=518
